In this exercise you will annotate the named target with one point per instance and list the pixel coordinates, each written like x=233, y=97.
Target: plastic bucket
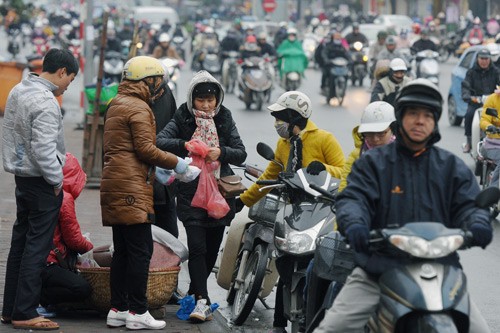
x=11, y=73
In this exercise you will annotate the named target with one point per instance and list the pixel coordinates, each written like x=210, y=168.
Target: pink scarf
x=205, y=128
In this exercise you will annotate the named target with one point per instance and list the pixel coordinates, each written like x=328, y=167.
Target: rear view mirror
x=265, y=151
x=492, y=112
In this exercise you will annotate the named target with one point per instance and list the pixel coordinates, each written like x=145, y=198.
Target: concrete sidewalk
x=89, y=216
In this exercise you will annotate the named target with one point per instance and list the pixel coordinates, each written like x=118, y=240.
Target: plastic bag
x=86, y=260
x=207, y=194
x=187, y=306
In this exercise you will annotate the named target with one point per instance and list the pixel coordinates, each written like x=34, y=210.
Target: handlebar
x=322, y=191
x=268, y=182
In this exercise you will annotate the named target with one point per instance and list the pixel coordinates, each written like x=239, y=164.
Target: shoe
x=278, y=330
x=175, y=298
x=143, y=321
x=47, y=312
x=201, y=312
x=116, y=318
x=466, y=148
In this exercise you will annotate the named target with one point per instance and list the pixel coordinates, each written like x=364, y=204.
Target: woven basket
x=161, y=284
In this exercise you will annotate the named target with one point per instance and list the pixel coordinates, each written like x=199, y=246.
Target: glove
x=358, y=236
x=181, y=166
x=238, y=205
x=315, y=167
x=482, y=234
x=474, y=99
x=491, y=129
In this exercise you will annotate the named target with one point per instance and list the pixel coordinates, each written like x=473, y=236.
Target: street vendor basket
x=161, y=284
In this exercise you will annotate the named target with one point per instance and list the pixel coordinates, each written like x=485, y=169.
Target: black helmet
x=419, y=92
x=382, y=34
x=355, y=25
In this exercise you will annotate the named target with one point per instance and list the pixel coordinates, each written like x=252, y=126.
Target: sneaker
x=201, y=311
x=466, y=148
x=143, y=321
x=116, y=318
x=47, y=312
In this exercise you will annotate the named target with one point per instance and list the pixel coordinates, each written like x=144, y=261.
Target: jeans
x=37, y=215
x=60, y=285
x=130, y=267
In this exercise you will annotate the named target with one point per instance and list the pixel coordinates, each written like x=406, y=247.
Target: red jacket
x=68, y=234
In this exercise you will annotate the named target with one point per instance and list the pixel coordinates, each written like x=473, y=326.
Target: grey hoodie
x=203, y=76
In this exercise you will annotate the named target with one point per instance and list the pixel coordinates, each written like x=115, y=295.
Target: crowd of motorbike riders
x=391, y=64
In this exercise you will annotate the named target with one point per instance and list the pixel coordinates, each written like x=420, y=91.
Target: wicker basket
x=161, y=284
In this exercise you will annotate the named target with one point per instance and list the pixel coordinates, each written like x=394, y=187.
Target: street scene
x=257, y=51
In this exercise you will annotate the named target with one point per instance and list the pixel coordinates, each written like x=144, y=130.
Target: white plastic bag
x=166, y=177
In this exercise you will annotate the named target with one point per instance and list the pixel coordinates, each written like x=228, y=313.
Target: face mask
x=282, y=129
x=336, y=41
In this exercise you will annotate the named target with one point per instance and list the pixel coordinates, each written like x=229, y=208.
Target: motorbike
x=178, y=43
x=306, y=215
x=210, y=61
x=337, y=80
x=247, y=266
x=40, y=46
x=309, y=45
x=14, y=42
x=113, y=66
x=172, y=68
x=359, y=63
x=230, y=70
x=254, y=82
x=427, y=65
x=75, y=48
x=292, y=64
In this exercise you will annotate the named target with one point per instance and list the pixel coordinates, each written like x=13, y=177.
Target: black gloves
x=482, y=234
x=315, y=167
x=358, y=236
x=238, y=205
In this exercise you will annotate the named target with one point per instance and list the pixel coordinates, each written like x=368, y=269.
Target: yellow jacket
x=318, y=145
x=353, y=156
x=493, y=101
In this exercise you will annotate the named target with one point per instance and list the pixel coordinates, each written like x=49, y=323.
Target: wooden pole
x=135, y=40
x=97, y=100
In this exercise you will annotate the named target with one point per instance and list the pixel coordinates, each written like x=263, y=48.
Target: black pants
x=37, y=214
x=203, y=245
x=130, y=267
x=60, y=285
x=165, y=213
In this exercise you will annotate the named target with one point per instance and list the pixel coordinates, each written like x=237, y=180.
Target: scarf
x=295, y=156
x=205, y=128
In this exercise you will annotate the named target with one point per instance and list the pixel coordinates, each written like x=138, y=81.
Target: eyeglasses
x=378, y=135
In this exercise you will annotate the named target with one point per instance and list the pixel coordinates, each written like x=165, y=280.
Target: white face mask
x=282, y=129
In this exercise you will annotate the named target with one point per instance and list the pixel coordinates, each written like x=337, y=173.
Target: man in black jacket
x=380, y=194
x=480, y=80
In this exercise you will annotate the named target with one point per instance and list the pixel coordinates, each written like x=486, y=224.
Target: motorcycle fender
x=230, y=252
x=270, y=279
x=257, y=232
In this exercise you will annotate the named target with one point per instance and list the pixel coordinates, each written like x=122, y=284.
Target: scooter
x=247, y=265
x=178, y=43
x=254, y=82
x=306, y=215
x=359, y=63
x=230, y=70
x=292, y=64
x=40, y=46
x=113, y=66
x=428, y=66
x=210, y=61
x=337, y=80
x=309, y=45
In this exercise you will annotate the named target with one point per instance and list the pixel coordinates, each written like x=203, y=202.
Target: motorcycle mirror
x=492, y=112
x=487, y=197
x=265, y=151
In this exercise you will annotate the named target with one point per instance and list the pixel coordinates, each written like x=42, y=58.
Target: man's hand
x=482, y=234
x=315, y=167
x=358, y=236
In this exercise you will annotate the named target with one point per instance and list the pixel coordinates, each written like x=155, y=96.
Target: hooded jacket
x=130, y=155
x=353, y=156
x=67, y=235
x=180, y=130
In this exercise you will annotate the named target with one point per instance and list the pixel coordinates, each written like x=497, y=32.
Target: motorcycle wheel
x=253, y=276
x=453, y=118
x=259, y=100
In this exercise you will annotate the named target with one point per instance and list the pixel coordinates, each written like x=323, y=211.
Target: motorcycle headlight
x=299, y=242
x=358, y=46
x=422, y=248
x=293, y=76
x=365, y=58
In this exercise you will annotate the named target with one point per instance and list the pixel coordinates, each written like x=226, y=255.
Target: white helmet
x=294, y=100
x=315, y=21
x=325, y=23
x=291, y=31
x=208, y=30
x=376, y=117
x=164, y=38
x=397, y=64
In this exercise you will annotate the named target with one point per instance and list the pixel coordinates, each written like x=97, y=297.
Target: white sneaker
x=201, y=312
x=116, y=318
x=144, y=321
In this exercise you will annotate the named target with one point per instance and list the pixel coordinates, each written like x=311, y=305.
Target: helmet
x=141, y=67
x=262, y=35
x=283, y=24
x=382, y=34
x=376, y=117
x=291, y=31
x=397, y=64
x=390, y=41
x=295, y=100
x=164, y=38
x=441, y=15
x=416, y=28
x=315, y=21
x=325, y=22
x=424, y=31
x=477, y=20
x=419, y=92
x=251, y=39
x=355, y=25
x=208, y=30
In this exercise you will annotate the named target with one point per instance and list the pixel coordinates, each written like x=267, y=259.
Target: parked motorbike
x=427, y=65
x=14, y=42
x=337, y=80
x=247, y=266
x=172, y=69
x=305, y=216
x=178, y=43
x=359, y=63
x=230, y=70
x=254, y=82
x=113, y=66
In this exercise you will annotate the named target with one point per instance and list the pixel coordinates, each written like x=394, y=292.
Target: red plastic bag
x=207, y=194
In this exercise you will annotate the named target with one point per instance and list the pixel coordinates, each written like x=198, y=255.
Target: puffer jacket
x=180, y=130
x=493, y=101
x=130, y=155
x=67, y=235
x=33, y=137
x=353, y=156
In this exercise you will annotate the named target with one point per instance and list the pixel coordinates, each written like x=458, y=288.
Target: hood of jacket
x=203, y=76
x=74, y=176
x=137, y=89
x=357, y=137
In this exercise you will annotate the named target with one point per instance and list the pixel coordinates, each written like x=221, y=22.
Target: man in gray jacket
x=33, y=150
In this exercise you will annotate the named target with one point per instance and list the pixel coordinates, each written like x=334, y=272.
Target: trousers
x=60, y=285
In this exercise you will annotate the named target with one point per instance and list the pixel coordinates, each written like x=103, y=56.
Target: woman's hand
x=213, y=154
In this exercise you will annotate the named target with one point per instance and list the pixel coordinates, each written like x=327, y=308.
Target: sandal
x=36, y=324
x=5, y=320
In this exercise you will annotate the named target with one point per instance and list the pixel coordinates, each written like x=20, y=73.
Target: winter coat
x=493, y=101
x=386, y=89
x=392, y=186
x=353, y=156
x=130, y=155
x=479, y=82
x=331, y=51
x=169, y=52
x=33, y=137
x=67, y=235
x=180, y=130
x=318, y=145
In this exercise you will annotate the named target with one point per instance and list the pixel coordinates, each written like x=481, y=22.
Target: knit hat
x=206, y=88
